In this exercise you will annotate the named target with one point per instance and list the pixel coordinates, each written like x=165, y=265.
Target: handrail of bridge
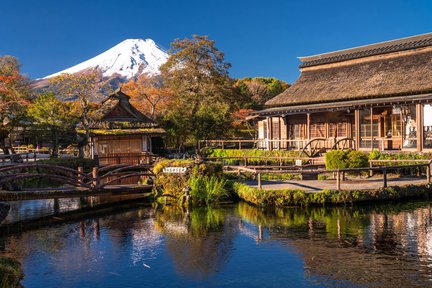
x=97, y=179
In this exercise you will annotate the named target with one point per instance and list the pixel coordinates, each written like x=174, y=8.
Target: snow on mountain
x=130, y=58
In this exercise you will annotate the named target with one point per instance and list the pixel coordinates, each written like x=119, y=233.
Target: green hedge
x=216, y=152
x=343, y=159
x=291, y=197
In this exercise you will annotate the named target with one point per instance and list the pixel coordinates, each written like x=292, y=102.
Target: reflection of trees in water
x=381, y=247
x=199, y=241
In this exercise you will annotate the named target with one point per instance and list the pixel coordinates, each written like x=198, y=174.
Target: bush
x=205, y=181
x=336, y=159
x=357, y=159
x=342, y=159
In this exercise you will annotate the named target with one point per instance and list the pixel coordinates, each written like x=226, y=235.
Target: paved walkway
x=318, y=185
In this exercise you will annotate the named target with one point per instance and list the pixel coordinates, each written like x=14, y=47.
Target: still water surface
x=231, y=246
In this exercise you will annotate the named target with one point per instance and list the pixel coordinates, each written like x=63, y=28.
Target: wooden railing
x=338, y=172
x=97, y=179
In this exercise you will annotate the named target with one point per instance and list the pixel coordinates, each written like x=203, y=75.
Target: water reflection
x=239, y=245
x=199, y=241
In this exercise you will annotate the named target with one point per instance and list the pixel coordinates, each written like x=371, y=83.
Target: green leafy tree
x=81, y=87
x=15, y=93
x=48, y=113
x=197, y=75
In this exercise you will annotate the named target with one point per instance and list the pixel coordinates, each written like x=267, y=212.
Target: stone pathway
x=318, y=185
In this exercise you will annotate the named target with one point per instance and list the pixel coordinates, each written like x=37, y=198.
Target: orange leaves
x=148, y=96
x=240, y=116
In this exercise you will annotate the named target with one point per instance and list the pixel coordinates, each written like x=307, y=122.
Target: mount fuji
x=126, y=60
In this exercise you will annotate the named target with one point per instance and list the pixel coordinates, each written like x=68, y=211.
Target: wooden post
x=371, y=128
x=308, y=122
x=428, y=172
x=240, y=147
x=95, y=177
x=238, y=174
x=259, y=181
x=27, y=157
x=80, y=170
x=370, y=170
x=385, y=177
x=419, y=123
x=338, y=186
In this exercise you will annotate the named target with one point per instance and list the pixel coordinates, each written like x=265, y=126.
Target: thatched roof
x=405, y=72
x=116, y=112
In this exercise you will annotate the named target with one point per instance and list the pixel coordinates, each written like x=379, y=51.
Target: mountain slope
x=128, y=59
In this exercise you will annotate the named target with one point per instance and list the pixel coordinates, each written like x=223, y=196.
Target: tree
x=49, y=113
x=197, y=74
x=79, y=87
x=15, y=93
x=148, y=95
x=256, y=91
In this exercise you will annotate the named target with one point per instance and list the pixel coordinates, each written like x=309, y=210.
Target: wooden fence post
x=95, y=177
x=238, y=174
x=80, y=170
x=259, y=181
x=338, y=186
x=428, y=172
x=385, y=177
x=240, y=146
x=370, y=170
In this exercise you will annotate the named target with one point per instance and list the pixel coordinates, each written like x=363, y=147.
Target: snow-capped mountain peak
x=128, y=59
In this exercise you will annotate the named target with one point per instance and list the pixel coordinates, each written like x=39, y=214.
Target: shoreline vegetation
x=205, y=184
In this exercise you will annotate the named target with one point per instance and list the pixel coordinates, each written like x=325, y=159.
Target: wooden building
x=372, y=97
x=122, y=134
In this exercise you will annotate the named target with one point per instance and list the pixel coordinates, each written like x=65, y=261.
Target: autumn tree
x=197, y=74
x=254, y=92
x=48, y=113
x=80, y=87
x=15, y=93
x=148, y=95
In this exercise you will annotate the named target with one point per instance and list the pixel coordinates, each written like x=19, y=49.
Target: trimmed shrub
x=342, y=159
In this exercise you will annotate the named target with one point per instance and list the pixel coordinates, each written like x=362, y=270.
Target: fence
x=338, y=172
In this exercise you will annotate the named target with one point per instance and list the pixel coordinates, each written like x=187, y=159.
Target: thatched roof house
x=122, y=134
x=388, y=74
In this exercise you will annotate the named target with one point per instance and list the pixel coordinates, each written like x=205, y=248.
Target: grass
x=11, y=273
x=293, y=197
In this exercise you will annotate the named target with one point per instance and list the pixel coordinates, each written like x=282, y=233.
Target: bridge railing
x=97, y=179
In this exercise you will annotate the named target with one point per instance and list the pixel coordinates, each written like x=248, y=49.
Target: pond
x=238, y=245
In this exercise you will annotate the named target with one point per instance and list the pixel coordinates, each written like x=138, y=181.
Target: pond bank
x=298, y=197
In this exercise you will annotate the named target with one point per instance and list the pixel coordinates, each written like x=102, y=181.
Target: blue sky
x=259, y=38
